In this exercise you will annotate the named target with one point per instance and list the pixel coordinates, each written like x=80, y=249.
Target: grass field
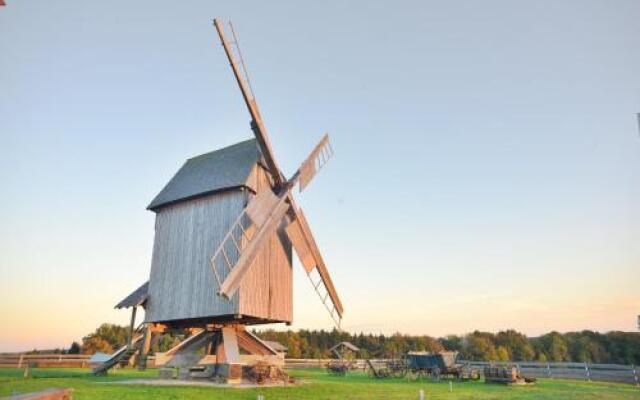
x=317, y=385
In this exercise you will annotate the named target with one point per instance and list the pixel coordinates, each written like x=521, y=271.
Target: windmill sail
x=256, y=120
x=264, y=214
x=318, y=158
x=308, y=251
x=300, y=244
x=270, y=218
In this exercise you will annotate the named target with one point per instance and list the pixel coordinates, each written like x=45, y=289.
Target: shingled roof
x=219, y=170
x=136, y=298
x=347, y=345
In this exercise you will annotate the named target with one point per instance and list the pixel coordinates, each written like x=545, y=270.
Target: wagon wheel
x=370, y=372
x=331, y=368
x=402, y=371
x=408, y=373
x=395, y=368
x=459, y=375
x=405, y=369
x=417, y=374
x=475, y=375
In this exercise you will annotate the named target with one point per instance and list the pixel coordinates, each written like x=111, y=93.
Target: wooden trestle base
x=215, y=352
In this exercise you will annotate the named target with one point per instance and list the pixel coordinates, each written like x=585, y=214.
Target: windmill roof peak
x=348, y=345
x=219, y=170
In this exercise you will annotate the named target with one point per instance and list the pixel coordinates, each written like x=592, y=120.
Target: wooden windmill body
x=193, y=213
x=226, y=224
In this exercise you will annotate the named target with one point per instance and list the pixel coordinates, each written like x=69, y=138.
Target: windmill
x=225, y=227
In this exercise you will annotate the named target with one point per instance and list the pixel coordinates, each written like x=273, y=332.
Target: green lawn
x=318, y=385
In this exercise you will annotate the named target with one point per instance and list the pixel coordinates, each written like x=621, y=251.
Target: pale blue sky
x=487, y=161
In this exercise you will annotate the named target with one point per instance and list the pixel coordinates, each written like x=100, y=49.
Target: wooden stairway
x=121, y=356
x=126, y=357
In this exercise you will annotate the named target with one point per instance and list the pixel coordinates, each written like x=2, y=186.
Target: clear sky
x=487, y=168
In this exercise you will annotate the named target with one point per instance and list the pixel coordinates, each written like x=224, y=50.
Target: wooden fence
x=44, y=360
x=569, y=370
x=553, y=370
x=52, y=361
x=565, y=370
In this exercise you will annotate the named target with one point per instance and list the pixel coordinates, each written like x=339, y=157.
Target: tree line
x=509, y=345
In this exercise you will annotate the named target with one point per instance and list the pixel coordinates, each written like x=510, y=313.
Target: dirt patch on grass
x=201, y=383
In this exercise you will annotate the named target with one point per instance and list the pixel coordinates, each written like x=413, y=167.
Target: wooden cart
x=438, y=365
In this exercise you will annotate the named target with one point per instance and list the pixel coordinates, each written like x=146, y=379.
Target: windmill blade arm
x=257, y=125
x=307, y=250
x=319, y=156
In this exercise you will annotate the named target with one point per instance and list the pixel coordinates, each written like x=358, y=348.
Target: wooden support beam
x=132, y=326
x=144, y=349
x=230, y=345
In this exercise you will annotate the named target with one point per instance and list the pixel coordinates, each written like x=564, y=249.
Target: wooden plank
x=310, y=166
x=52, y=356
x=230, y=343
x=307, y=172
x=182, y=283
x=196, y=335
x=132, y=326
x=254, y=345
x=231, y=284
x=266, y=289
x=48, y=394
x=256, y=124
x=261, y=205
x=303, y=250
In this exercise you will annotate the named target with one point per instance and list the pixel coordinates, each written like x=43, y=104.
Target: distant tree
x=624, y=347
x=554, y=347
x=390, y=349
x=516, y=344
x=432, y=344
x=166, y=341
x=115, y=335
x=95, y=344
x=105, y=338
x=452, y=342
x=502, y=354
x=541, y=357
x=612, y=347
x=74, y=348
x=479, y=346
x=293, y=348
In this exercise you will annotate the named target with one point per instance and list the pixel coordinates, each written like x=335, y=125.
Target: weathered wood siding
x=267, y=288
x=182, y=284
